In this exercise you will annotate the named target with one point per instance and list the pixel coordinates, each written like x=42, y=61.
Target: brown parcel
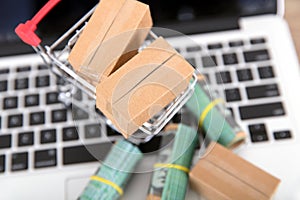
x=112, y=36
x=221, y=174
x=143, y=86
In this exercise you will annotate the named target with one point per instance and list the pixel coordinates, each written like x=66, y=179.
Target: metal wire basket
x=56, y=59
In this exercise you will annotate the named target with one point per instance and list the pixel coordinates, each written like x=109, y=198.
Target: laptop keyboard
x=243, y=73
x=38, y=132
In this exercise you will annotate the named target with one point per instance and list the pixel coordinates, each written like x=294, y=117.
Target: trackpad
x=74, y=187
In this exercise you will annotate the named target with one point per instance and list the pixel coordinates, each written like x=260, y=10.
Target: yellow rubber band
x=174, y=166
x=107, y=182
x=208, y=108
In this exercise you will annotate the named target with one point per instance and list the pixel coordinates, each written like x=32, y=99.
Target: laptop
x=244, y=48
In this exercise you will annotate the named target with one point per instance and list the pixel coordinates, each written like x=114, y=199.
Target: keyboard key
x=262, y=91
x=209, y=61
x=193, y=48
x=192, y=61
x=2, y=163
x=5, y=141
x=3, y=86
x=230, y=110
x=42, y=81
x=230, y=59
x=37, y=118
x=258, y=41
x=111, y=132
x=70, y=133
x=21, y=84
x=266, y=72
x=10, y=103
x=0, y=123
x=92, y=131
x=223, y=77
x=52, y=98
x=43, y=67
x=257, y=55
x=32, y=100
x=258, y=133
x=25, y=139
x=45, y=158
x=24, y=69
x=280, y=135
x=244, y=75
x=215, y=46
x=238, y=43
x=233, y=95
x=48, y=136
x=15, y=121
x=19, y=161
x=87, y=153
x=4, y=71
x=79, y=114
x=59, y=115
x=262, y=110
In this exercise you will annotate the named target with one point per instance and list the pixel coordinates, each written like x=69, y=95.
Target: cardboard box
x=143, y=86
x=112, y=36
x=221, y=174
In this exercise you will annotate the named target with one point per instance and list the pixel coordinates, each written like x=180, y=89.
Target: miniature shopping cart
x=56, y=60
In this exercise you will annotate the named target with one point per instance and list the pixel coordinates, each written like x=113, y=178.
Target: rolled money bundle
x=214, y=119
x=172, y=173
x=110, y=179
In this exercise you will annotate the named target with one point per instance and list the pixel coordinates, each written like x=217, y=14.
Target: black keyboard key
x=45, y=158
x=233, y=95
x=78, y=95
x=37, y=118
x=24, y=69
x=192, y=61
x=238, y=43
x=48, y=136
x=230, y=59
x=10, y=103
x=280, y=135
x=87, y=153
x=79, y=114
x=43, y=67
x=32, y=100
x=25, y=139
x=230, y=110
x=262, y=110
x=262, y=91
x=3, y=86
x=256, y=55
x=15, y=121
x=111, y=132
x=2, y=163
x=266, y=72
x=92, y=131
x=42, y=81
x=5, y=141
x=193, y=48
x=70, y=133
x=215, y=46
x=19, y=161
x=258, y=133
x=52, y=98
x=223, y=77
x=59, y=115
x=258, y=41
x=244, y=75
x=209, y=61
x=4, y=71
x=21, y=84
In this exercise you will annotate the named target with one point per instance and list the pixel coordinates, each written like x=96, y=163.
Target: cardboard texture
x=221, y=174
x=143, y=86
x=112, y=36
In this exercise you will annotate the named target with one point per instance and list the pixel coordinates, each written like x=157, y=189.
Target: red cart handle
x=26, y=31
